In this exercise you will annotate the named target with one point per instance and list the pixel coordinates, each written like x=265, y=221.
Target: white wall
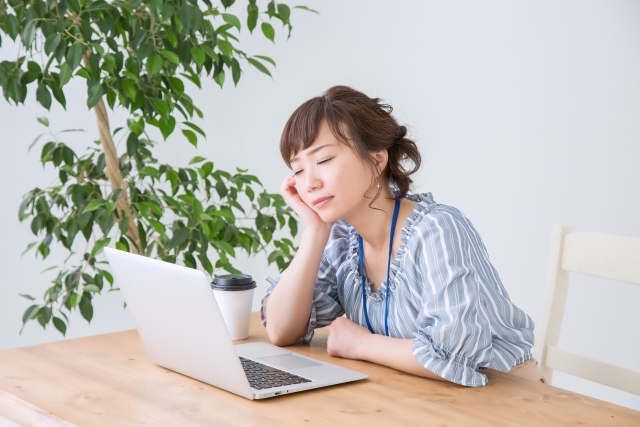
x=527, y=115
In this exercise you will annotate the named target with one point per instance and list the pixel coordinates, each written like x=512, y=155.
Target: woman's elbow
x=279, y=339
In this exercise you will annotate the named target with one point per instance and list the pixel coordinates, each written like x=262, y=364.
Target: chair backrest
x=597, y=254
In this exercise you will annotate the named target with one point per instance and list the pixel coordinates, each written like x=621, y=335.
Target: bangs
x=304, y=124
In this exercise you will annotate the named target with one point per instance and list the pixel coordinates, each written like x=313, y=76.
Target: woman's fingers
x=288, y=187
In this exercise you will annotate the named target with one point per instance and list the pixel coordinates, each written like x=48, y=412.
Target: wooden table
x=107, y=380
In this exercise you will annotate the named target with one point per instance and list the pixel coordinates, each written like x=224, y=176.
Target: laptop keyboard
x=263, y=376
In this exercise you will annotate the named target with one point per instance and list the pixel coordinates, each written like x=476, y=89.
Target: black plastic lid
x=233, y=282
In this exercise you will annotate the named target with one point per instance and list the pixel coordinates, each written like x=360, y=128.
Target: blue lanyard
x=364, y=299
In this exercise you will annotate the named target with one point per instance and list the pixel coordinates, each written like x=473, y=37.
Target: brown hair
x=367, y=122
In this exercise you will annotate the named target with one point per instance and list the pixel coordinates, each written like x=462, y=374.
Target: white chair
x=597, y=254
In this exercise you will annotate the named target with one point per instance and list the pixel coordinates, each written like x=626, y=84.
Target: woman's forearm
x=289, y=305
x=396, y=353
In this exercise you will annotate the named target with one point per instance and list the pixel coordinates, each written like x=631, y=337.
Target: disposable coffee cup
x=234, y=294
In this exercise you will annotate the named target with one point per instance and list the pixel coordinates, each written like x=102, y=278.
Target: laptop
x=182, y=329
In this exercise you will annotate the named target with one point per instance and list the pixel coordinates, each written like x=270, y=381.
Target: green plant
x=137, y=55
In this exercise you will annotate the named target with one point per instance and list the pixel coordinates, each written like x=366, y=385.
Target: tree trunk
x=114, y=175
x=113, y=169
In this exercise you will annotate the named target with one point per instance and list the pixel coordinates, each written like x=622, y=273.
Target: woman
x=421, y=297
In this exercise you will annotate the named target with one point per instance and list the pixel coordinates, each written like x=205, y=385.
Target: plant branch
x=113, y=168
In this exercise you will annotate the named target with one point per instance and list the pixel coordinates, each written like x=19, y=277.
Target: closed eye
x=320, y=162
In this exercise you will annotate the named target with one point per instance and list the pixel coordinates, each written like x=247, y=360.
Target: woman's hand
x=309, y=217
x=346, y=338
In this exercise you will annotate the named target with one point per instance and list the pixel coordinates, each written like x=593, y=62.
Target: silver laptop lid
x=178, y=320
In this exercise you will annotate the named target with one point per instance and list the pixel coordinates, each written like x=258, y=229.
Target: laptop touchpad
x=289, y=361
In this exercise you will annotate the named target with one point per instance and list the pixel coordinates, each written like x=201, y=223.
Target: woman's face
x=330, y=177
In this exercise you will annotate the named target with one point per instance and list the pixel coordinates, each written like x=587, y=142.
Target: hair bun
x=401, y=133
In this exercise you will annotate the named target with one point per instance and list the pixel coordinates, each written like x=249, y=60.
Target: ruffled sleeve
x=325, y=306
x=454, y=333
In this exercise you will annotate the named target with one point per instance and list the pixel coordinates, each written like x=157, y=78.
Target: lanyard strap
x=364, y=299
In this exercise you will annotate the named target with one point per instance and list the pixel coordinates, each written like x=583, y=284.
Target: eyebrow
x=312, y=151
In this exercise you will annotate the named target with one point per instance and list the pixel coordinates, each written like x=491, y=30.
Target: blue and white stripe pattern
x=444, y=293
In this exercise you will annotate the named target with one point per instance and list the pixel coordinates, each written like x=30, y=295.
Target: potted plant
x=137, y=55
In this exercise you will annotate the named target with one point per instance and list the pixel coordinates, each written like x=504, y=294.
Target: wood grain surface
x=107, y=380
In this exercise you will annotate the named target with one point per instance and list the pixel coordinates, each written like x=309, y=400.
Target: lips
x=321, y=201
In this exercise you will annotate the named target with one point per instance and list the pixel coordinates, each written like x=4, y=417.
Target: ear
x=381, y=157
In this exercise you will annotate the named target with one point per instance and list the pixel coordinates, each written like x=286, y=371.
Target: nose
x=312, y=180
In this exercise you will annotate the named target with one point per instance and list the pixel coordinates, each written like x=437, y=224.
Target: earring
x=378, y=185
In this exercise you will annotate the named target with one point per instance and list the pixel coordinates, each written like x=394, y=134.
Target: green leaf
x=29, y=297
x=231, y=20
x=74, y=55
x=284, y=12
x=124, y=225
x=29, y=313
x=191, y=137
x=11, y=25
x=45, y=315
x=116, y=194
x=132, y=76
x=149, y=171
x=33, y=73
x=307, y=9
x=51, y=43
x=92, y=206
x=266, y=58
x=252, y=18
x=259, y=66
x=159, y=105
x=154, y=64
x=137, y=39
x=158, y=226
x=60, y=325
x=44, y=121
x=226, y=48
x=197, y=208
x=94, y=95
x=143, y=235
x=210, y=53
x=293, y=226
x=29, y=33
x=177, y=84
x=171, y=56
x=43, y=96
x=100, y=244
x=268, y=31
x=91, y=288
x=194, y=127
x=206, y=169
x=86, y=309
x=107, y=276
x=198, y=55
x=167, y=126
x=133, y=144
x=224, y=214
x=225, y=247
x=219, y=78
x=179, y=237
x=171, y=36
x=78, y=196
x=197, y=159
x=121, y=247
x=129, y=89
x=65, y=74
x=235, y=69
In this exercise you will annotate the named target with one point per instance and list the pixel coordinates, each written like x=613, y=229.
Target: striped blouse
x=444, y=293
